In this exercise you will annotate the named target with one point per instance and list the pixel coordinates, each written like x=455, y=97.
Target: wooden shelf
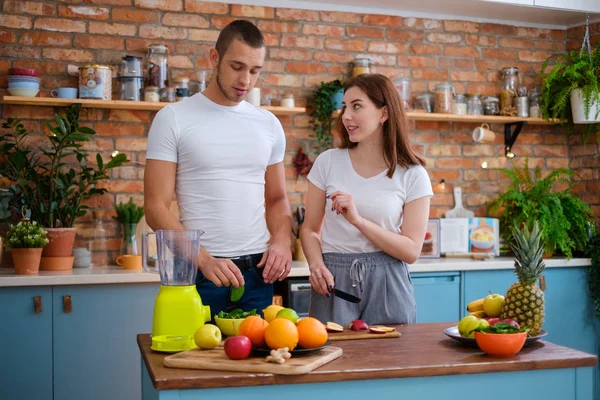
x=490, y=119
x=118, y=104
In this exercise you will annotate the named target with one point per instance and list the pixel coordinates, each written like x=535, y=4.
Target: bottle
x=98, y=244
x=510, y=89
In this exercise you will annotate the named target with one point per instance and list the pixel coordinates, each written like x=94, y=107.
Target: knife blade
x=345, y=296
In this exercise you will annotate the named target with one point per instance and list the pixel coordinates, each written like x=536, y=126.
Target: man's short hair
x=242, y=30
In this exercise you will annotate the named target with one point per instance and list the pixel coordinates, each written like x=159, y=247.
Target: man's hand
x=221, y=271
x=277, y=262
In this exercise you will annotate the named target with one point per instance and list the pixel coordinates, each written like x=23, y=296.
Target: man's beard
x=231, y=97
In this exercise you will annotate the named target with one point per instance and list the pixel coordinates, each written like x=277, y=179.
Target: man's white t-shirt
x=222, y=154
x=379, y=199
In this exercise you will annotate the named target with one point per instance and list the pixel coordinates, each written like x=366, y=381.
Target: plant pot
x=27, y=261
x=56, y=263
x=298, y=252
x=60, y=242
x=578, y=109
x=337, y=99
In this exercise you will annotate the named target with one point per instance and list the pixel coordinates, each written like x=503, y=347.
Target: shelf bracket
x=511, y=137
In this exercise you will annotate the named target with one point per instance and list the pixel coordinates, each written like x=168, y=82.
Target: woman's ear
x=384, y=115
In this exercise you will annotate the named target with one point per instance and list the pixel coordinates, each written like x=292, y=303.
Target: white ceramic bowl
x=23, y=92
x=489, y=239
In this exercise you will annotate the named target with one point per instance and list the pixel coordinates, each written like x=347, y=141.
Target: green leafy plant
x=236, y=314
x=502, y=327
x=323, y=106
x=563, y=73
x=593, y=251
x=129, y=213
x=562, y=216
x=54, y=179
x=26, y=235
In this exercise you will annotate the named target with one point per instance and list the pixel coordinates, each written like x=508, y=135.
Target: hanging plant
x=323, y=105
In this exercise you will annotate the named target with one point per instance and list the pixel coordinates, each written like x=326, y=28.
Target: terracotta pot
x=27, y=261
x=60, y=243
x=299, y=253
x=56, y=263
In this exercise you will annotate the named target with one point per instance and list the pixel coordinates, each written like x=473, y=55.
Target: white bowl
x=23, y=92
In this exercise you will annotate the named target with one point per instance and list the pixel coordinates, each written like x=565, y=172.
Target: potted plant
x=128, y=216
x=54, y=178
x=327, y=98
x=562, y=216
x=26, y=239
x=570, y=89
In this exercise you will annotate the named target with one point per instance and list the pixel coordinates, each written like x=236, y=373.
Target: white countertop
x=115, y=275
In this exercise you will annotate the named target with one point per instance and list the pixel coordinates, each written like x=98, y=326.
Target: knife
x=345, y=296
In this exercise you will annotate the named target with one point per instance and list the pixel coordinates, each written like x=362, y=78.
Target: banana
x=479, y=314
x=475, y=305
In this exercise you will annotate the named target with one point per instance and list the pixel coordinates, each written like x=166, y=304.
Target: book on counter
x=478, y=236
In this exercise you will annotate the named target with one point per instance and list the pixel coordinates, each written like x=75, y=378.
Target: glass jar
x=287, y=100
x=491, y=106
x=98, y=244
x=361, y=66
x=474, y=105
x=403, y=86
x=425, y=101
x=443, y=98
x=157, y=65
x=129, y=244
x=510, y=88
x=167, y=95
x=534, y=103
x=181, y=82
x=151, y=94
x=459, y=105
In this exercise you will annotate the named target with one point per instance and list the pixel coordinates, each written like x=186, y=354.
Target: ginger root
x=279, y=356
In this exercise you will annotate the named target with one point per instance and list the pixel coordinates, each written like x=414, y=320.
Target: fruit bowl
x=229, y=326
x=500, y=344
x=452, y=332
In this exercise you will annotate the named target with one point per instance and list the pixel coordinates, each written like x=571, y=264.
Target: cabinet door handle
x=67, y=306
x=37, y=304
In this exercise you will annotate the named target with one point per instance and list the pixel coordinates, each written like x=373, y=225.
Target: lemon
x=288, y=313
x=270, y=312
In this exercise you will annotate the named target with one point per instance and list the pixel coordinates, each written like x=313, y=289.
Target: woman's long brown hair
x=396, y=148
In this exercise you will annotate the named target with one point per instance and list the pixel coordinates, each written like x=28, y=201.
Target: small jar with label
x=443, y=98
x=151, y=94
x=474, y=105
x=459, y=105
x=287, y=100
x=167, y=95
x=361, y=66
x=491, y=105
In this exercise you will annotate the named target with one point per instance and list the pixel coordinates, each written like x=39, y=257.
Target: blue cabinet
x=95, y=351
x=437, y=295
x=26, y=343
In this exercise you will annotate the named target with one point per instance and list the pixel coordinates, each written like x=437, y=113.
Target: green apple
x=468, y=324
x=207, y=337
x=492, y=304
x=462, y=325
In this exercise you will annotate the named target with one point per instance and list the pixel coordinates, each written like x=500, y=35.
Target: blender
x=178, y=309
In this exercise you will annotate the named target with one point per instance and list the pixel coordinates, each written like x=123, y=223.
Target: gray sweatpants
x=381, y=281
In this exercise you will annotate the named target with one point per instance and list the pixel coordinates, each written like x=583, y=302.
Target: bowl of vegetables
x=501, y=339
x=229, y=322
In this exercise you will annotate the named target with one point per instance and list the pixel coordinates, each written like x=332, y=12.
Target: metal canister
x=95, y=82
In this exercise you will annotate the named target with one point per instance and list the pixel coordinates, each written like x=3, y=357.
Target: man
x=223, y=158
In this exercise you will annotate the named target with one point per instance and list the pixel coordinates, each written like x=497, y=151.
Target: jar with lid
x=287, y=100
x=151, y=94
x=98, y=245
x=443, y=98
x=474, y=104
x=361, y=66
x=459, y=105
x=157, y=65
x=534, y=103
x=167, y=95
x=510, y=88
x=425, y=101
x=491, y=105
x=403, y=85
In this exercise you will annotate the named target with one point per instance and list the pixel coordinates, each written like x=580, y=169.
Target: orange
x=254, y=328
x=311, y=333
x=281, y=333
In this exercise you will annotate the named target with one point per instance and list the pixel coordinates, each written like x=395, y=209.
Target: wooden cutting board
x=217, y=360
x=349, y=334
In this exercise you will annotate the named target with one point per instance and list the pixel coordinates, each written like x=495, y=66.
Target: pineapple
x=524, y=300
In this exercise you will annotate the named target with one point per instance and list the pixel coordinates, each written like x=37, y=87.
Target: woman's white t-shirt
x=379, y=199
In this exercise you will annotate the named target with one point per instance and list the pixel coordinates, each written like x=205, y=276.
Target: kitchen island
x=423, y=363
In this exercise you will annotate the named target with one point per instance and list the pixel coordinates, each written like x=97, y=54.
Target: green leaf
x=236, y=293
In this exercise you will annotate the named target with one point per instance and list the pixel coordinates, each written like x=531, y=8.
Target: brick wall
x=304, y=48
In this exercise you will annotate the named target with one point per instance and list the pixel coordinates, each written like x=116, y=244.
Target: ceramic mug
x=130, y=261
x=253, y=97
x=64, y=93
x=483, y=134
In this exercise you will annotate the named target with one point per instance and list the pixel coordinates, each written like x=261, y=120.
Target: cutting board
x=355, y=335
x=217, y=360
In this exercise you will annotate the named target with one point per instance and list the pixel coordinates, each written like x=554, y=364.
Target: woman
x=367, y=211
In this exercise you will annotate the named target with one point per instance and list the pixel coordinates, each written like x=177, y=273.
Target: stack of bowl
x=23, y=82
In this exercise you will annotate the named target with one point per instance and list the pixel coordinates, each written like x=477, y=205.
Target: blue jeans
x=257, y=294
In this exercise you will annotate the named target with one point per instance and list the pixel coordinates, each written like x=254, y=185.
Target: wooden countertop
x=422, y=350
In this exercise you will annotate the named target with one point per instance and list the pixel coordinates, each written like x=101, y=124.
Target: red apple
x=493, y=321
x=238, y=347
x=377, y=330
x=333, y=327
x=359, y=325
x=512, y=322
